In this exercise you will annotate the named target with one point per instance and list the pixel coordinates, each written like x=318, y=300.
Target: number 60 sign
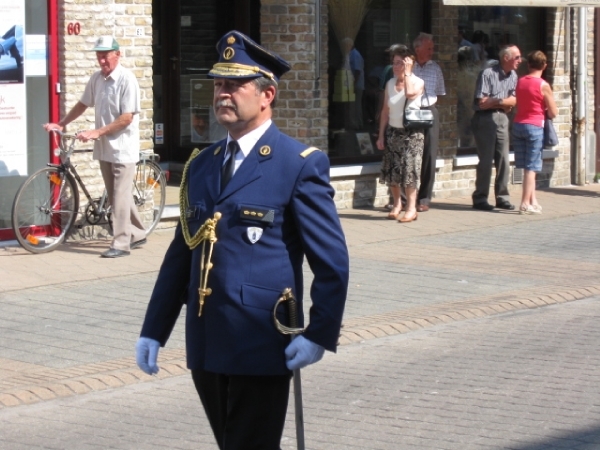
x=73, y=28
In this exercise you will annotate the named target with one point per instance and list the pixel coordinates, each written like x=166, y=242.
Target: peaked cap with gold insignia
x=241, y=57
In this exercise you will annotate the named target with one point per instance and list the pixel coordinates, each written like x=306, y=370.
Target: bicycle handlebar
x=63, y=135
x=150, y=155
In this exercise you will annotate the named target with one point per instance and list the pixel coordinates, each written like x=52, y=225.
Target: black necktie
x=229, y=166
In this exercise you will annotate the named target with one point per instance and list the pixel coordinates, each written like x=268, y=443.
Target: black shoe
x=505, y=204
x=137, y=244
x=114, y=253
x=483, y=206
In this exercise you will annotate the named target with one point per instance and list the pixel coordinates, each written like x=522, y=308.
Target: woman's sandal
x=411, y=219
x=393, y=216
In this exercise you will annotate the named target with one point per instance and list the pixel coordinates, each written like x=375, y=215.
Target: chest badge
x=254, y=234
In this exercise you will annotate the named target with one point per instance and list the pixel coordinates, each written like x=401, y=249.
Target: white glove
x=301, y=352
x=146, y=353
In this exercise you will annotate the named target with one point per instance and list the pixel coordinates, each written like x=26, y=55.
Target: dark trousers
x=245, y=412
x=490, y=129
x=430, y=151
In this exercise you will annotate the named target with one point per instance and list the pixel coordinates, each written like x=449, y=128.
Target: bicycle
x=46, y=205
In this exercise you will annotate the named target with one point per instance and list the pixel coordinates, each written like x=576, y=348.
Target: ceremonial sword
x=293, y=330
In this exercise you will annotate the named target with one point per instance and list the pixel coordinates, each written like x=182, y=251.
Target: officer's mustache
x=225, y=104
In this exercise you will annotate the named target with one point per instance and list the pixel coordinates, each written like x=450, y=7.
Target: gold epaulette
x=184, y=201
x=308, y=151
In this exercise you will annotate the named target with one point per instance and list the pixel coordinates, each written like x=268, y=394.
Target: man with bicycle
x=114, y=93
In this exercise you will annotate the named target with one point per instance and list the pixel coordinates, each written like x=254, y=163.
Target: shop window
x=482, y=32
x=359, y=33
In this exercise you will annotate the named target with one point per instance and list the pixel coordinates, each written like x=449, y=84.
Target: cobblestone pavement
x=525, y=380
x=463, y=330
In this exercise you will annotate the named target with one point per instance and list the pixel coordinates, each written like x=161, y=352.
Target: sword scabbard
x=293, y=329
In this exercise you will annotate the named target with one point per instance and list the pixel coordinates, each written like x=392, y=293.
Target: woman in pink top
x=534, y=101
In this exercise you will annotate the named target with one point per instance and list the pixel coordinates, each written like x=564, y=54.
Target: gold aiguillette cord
x=206, y=233
x=209, y=237
x=206, y=236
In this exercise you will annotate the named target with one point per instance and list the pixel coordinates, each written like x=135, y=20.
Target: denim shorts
x=527, y=142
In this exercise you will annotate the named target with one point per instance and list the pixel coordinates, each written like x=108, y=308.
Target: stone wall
x=557, y=171
x=362, y=191
x=288, y=29
x=122, y=19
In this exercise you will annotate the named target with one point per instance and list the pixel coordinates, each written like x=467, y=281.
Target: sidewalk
x=72, y=261
x=366, y=229
x=67, y=332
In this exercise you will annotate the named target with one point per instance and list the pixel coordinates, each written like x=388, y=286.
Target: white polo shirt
x=117, y=94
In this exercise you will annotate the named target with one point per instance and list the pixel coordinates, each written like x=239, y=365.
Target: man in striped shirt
x=494, y=99
x=430, y=72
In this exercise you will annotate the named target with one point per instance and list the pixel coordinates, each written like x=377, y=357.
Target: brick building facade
x=288, y=28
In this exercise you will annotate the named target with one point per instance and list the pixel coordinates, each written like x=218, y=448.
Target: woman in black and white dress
x=403, y=149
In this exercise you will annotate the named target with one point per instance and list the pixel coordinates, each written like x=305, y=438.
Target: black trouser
x=245, y=412
x=430, y=151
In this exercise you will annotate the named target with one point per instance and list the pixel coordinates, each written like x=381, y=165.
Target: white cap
x=105, y=44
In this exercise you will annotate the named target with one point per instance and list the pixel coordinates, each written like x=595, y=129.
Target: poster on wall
x=36, y=48
x=13, y=105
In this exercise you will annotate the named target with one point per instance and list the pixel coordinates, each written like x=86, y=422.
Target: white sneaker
x=529, y=210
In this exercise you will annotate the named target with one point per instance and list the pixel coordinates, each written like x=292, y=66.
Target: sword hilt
x=292, y=309
x=288, y=296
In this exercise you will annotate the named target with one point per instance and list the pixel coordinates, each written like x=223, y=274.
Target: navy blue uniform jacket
x=235, y=335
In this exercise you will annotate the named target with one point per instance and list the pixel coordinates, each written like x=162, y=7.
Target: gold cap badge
x=231, y=40
x=228, y=53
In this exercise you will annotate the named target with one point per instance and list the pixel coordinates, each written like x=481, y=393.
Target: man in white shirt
x=114, y=93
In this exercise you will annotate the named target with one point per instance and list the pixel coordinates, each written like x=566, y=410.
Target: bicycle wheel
x=45, y=209
x=149, y=193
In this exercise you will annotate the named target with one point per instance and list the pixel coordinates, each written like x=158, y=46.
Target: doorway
x=185, y=33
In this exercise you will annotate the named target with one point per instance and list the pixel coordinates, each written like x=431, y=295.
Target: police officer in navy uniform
x=276, y=206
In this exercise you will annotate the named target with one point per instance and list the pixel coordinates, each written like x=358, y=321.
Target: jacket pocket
x=260, y=297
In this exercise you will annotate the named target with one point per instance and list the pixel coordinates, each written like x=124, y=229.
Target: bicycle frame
x=67, y=166
x=98, y=208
